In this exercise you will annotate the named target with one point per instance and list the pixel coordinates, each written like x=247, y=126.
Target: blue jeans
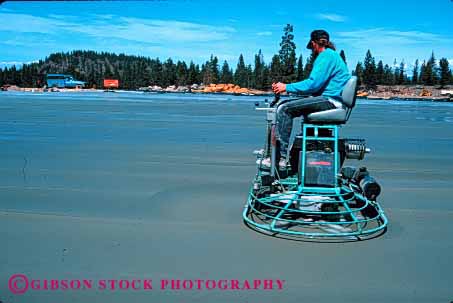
x=287, y=111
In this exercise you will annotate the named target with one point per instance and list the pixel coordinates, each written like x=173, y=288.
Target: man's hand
x=279, y=87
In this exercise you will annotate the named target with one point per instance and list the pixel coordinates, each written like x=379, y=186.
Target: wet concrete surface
x=130, y=186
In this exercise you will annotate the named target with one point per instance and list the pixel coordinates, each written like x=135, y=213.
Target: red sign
x=323, y=163
x=110, y=83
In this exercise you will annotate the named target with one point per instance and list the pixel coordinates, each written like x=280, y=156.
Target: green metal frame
x=289, y=212
x=317, y=137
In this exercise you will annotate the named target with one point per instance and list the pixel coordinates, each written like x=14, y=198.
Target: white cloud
x=22, y=23
x=332, y=17
x=104, y=16
x=264, y=34
x=27, y=40
x=136, y=29
x=388, y=44
x=390, y=37
x=34, y=36
x=16, y=63
x=11, y=62
x=450, y=61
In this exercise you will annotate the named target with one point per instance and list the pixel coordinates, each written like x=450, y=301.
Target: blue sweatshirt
x=328, y=77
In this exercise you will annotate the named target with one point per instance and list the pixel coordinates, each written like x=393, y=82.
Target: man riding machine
x=301, y=187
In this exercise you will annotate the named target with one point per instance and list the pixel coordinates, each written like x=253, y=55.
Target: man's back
x=328, y=77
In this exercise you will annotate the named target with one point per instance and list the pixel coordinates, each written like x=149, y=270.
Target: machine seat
x=338, y=115
x=333, y=116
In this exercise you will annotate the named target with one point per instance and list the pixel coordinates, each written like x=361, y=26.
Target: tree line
x=428, y=72
x=139, y=71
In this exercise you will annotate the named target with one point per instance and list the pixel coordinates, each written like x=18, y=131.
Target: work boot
x=282, y=164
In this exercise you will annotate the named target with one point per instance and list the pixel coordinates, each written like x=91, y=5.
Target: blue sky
x=193, y=30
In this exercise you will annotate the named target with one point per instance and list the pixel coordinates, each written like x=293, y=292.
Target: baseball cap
x=317, y=35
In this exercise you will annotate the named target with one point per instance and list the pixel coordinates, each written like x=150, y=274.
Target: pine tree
x=343, y=56
x=156, y=72
x=434, y=71
x=168, y=74
x=193, y=74
x=388, y=75
x=15, y=76
x=210, y=71
x=415, y=73
x=214, y=66
x=287, y=55
x=276, y=69
x=240, y=75
x=300, y=69
x=6, y=76
x=258, y=76
x=429, y=76
x=444, y=72
x=207, y=73
x=267, y=81
x=358, y=72
x=401, y=78
x=380, y=73
x=204, y=76
x=369, y=73
x=181, y=73
x=199, y=73
x=309, y=65
x=249, y=73
x=396, y=73
x=226, y=75
x=422, y=77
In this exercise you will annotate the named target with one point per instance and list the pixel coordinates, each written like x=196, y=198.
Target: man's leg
x=289, y=110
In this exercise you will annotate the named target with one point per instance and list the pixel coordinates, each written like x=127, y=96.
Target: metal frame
x=271, y=218
x=297, y=209
x=316, y=137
